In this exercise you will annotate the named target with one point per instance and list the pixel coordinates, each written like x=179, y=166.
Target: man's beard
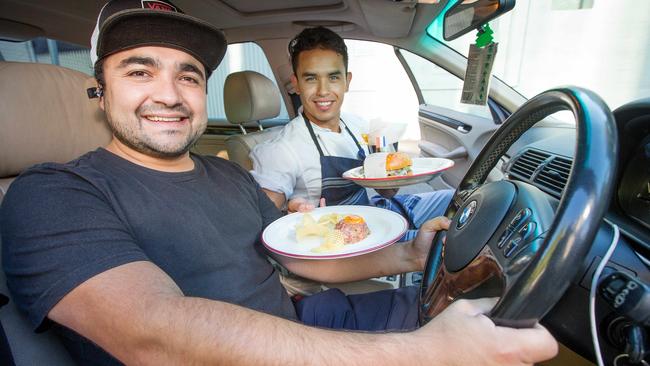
x=130, y=135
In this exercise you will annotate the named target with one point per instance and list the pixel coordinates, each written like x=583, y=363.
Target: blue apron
x=335, y=189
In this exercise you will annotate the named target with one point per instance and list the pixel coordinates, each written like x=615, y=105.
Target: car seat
x=249, y=96
x=46, y=116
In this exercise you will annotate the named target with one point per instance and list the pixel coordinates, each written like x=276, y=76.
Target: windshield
x=600, y=45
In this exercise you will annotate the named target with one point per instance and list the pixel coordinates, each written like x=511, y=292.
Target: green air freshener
x=479, y=68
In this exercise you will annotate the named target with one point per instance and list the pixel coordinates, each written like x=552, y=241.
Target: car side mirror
x=467, y=15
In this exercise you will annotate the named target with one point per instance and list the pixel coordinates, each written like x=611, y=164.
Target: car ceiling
x=241, y=20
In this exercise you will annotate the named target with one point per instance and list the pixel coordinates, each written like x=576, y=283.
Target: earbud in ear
x=95, y=92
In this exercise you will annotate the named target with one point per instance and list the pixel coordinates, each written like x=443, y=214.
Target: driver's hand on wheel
x=468, y=337
x=422, y=242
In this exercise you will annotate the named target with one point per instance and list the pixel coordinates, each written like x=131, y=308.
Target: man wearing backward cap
x=143, y=253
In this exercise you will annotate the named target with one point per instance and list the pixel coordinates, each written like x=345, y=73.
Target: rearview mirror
x=467, y=15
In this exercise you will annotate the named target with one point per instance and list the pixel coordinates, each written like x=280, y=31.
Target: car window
x=439, y=87
x=48, y=51
x=599, y=45
x=380, y=90
x=239, y=57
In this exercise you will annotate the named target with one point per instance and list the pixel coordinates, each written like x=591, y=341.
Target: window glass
x=380, y=90
x=439, y=87
x=239, y=57
x=47, y=51
x=599, y=45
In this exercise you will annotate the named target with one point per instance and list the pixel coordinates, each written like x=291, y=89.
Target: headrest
x=46, y=116
x=250, y=96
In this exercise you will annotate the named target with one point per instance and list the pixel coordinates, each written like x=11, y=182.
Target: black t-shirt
x=65, y=223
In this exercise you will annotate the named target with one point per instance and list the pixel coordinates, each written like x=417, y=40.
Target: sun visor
x=401, y=15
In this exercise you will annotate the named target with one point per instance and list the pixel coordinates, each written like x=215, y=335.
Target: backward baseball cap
x=125, y=24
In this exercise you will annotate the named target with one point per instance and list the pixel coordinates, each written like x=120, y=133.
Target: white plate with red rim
x=386, y=227
x=424, y=169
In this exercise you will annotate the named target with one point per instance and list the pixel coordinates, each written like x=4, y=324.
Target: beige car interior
x=249, y=96
x=43, y=119
x=47, y=116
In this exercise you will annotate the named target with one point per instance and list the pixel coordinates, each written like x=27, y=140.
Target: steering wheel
x=509, y=230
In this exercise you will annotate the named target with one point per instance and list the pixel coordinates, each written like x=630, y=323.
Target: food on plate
x=330, y=219
x=309, y=227
x=336, y=229
x=398, y=164
x=333, y=240
x=353, y=228
x=382, y=165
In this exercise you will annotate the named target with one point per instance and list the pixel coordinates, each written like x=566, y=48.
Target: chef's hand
x=387, y=193
x=300, y=204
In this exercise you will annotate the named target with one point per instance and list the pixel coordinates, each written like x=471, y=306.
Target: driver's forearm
x=397, y=258
x=138, y=314
x=194, y=331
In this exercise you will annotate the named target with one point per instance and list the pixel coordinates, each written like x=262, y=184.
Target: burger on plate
x=382, y=165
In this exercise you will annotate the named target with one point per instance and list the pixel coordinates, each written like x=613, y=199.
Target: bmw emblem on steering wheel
x=468, y=211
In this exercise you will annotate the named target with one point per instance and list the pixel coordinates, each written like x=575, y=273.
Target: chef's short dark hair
x=313, y=38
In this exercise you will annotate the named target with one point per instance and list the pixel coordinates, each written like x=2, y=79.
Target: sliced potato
x=309, y=227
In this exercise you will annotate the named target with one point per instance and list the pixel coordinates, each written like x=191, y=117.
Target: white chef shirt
x=290, y=162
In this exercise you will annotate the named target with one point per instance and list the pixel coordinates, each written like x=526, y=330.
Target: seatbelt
x=296, y=102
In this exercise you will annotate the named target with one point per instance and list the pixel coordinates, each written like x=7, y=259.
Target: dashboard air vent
x=526, y=164
x=554, y=175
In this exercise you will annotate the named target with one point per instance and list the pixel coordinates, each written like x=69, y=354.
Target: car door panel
x=450, y=134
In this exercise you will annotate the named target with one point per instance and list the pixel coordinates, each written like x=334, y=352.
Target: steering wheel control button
x=509, y=250
x=512, y=246
x=504, y=237
x=522, y=215
x=527, y=230
x=466, y=215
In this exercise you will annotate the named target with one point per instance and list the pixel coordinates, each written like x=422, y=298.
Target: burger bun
x=379, y=165
x=398, y=160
